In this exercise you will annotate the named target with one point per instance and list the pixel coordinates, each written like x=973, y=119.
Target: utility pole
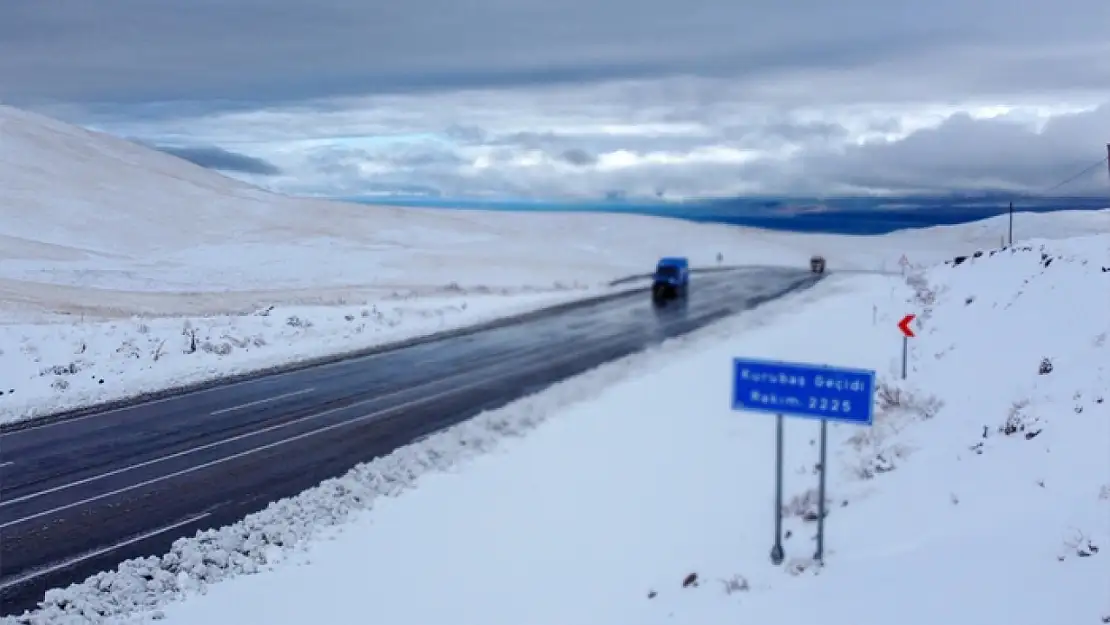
x=1012, y=219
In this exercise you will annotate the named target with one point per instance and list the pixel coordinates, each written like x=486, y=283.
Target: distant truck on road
x=817, y=264
x=671, y=279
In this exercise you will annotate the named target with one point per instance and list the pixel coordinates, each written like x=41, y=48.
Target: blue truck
x=671, y=279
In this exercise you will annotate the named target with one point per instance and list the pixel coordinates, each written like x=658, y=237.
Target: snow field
x=981, y=495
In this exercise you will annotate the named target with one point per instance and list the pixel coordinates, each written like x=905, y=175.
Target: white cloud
x=683, y=136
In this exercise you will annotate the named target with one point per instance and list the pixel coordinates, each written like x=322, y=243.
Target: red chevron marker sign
x=904, y=325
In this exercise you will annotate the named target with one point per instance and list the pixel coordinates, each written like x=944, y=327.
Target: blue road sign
x=804, y=390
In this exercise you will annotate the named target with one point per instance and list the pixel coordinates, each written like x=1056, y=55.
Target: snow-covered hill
x=981, y=494
x=121, y=229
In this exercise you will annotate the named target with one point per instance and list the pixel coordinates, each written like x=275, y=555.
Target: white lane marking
x=222, y=387
x=248, y=452
x=242, y=454
x=237, y=437
x=264, y=400
x=26, y=577
x=6, y=464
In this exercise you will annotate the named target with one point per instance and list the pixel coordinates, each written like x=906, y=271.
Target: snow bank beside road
x=45, y=368
x=981, y=495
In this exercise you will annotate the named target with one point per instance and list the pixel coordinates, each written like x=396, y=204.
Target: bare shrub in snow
x=889, y=396
x=1019, y=420
x=1078, y=544
x=190, y=335
x=690, y=580
x=237, y=342
x=1104, y=492
x=797, y=566
x=1046, y=367
x=159, y=351
x=60, y=384
x=923, y=294
x=882, y=461
x=736, y=583
x=898, y=408
x=220, y=349
x=129, y=350
x=70, y=369
x=804, y=506
x=893, y=398
x=297, y=322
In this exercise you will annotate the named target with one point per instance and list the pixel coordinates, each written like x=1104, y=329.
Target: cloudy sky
x=579, y=98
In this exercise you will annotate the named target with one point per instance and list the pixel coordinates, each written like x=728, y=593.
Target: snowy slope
x=981, y=495
x=81, y=210
x=123, y=229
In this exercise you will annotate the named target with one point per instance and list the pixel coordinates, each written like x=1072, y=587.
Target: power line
x=1086, y=171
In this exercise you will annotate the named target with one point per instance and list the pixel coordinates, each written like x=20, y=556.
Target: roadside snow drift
x=981, y=494
x=45, y=368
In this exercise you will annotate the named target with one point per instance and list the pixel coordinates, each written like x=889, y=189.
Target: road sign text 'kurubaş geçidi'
x=804, y=390
x=818, y=392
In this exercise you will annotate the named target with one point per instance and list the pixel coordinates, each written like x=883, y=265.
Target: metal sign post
x=818, y=392
x=777, y=553
x=819, y=556
x=907, y=332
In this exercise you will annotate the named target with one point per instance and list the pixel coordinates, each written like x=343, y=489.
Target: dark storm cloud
x=222, y=53
x=965, y=153
x=578, y=156
x=403, y=156
x=214, y=157
x=778, y=132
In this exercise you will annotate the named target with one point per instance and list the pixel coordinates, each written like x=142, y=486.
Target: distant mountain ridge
x=833, y=215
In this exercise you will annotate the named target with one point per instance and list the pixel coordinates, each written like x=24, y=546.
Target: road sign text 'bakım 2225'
x=804, y=390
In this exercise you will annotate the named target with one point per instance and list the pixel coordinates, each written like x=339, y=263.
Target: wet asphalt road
x=81, y=495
